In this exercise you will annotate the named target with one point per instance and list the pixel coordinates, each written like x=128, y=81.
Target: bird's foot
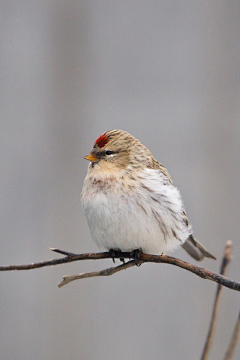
x=136, y=254
x=114, y=253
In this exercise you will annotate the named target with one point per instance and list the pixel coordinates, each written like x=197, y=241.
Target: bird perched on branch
x=130, y=201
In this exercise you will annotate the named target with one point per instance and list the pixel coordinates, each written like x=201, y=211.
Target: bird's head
x=117, y=150
x=113, y=148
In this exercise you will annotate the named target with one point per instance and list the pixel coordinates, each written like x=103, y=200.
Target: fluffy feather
x=130, y=201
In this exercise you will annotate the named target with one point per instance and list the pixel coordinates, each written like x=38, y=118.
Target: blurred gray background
x=169, y=73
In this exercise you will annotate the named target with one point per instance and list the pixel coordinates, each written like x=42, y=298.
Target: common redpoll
x=130, y=201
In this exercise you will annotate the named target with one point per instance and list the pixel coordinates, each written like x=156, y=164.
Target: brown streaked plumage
x=130, y=201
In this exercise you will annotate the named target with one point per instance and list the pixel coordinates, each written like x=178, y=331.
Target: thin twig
x=199, y=271
x=225, y=262
x=106, y=272
x=69, y=258
x=63, y=252
x=233, y=341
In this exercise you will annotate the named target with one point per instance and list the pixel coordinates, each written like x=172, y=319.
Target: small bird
x=130, y=201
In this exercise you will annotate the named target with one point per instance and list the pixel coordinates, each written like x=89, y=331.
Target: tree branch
x=225, y=263
x=106, y=272
x=70, y=257
x=234, y=340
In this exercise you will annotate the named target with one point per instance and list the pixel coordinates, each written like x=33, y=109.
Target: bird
x=131, y=203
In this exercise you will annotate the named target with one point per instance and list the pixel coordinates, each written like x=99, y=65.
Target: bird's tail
x=196, y=250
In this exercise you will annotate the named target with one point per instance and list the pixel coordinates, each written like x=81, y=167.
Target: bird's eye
x=109, y=152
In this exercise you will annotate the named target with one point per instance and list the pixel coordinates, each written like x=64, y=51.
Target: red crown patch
x=102, y=140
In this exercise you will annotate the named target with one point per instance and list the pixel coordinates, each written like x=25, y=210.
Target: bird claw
x=114, y=253
x=136, y=254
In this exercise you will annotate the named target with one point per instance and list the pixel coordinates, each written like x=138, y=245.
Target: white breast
x=127, y=214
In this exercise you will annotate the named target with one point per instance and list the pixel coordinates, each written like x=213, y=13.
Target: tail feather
x=196, y=250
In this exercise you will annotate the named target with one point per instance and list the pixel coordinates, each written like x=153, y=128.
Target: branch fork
x=138, y=258
x=142, y=258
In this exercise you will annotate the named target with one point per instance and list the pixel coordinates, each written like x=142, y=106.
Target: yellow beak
x=90, y=157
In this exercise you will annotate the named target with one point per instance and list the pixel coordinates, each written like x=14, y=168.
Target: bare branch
x=225, y=262
x=63, y=252
x=106, y=272
x=199, y=271
x=234, y=340
x=69, y=258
